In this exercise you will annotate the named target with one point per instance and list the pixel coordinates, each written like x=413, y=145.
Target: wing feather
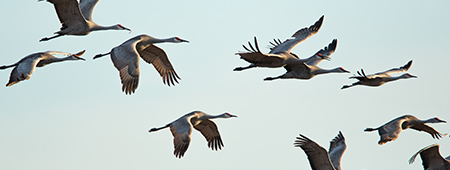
x=158, y=58
x=126, y=60
x=317, y=155
x=69, y=13
x=209, y=130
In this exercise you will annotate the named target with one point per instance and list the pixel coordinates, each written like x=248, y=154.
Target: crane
x=125, y=58
x=391, y=130
x=76, y=19
x=380, y=78
x=280, y=53
x=319, y=158
x=182, y=129
x=307, y=69
x=26, y=66
x=432, y=159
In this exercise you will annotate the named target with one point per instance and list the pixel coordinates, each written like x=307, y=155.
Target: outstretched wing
x=392, y=71
x=424, y=127
x=68, y=12
x=322, y=54
x=298, y=37
x=431, y=158
x=158, y=58
x=317, y=155
x=126, y=59
x=24, y=68
x=87, y=8
x=181, y=130
x=255, y=56
x=337, y=149
x=209, y=130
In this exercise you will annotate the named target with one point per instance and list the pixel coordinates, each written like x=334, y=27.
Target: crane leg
x=271, y=78
x=244, y=68
x=49, y=38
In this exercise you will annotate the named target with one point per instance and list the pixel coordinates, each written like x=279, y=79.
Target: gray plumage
x=319, y=158
x=279, y=54
x=125, y=58
x=182, y=129
x=391, y=130
x=432, y=159
x=380, y=78
x=27, y=65
x=76, y=19
x=307, y=69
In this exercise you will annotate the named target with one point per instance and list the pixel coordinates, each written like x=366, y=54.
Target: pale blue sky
x=73, y=115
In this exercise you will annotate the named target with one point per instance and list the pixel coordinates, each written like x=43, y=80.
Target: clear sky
x=73, y=115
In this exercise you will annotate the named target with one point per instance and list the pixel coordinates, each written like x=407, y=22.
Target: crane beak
x=79, y=58
x=232, y=115
x=184, y=40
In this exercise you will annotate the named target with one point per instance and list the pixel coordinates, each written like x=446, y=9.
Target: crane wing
x=87, y=8
x=158, y=58
x=431, y=158
x=298, y=37
x=322, y=54
x=69, y=13
x=255, y=56
x=209, y=130
x=298, y=66
x=392, y=71
x=317, y=155
x=25, y=67
x=337, y=149
x=126, y=60
x=424, y=127
x=181, y=131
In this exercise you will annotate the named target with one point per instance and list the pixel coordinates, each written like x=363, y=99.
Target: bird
x=125, y=58
x=279, y=54
x=391, y=130
x=182, y=129
x=307, y=69
x=26, y=66
x=380, y=78
x=319, y=158
x=76, y=19
x=432, y=159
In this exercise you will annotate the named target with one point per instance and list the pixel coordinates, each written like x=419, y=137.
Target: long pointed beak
x=79, y=58
x=184, y=40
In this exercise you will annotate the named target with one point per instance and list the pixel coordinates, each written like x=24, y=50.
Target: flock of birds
x=76, y=19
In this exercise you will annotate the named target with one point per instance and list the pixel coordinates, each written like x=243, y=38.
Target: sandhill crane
x=432, y=159
x=298, y=69
x=280, y=54
x=380, y=78
x=26, y=66
x=391, y=130
x=76, y=19
x=125, y=58
x=318, y=157
x=182, y=128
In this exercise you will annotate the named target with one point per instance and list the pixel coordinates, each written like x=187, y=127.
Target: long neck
x=52, y=60
x=324, y=71
x=206, y=116
x=393, y=78
x=97, y=27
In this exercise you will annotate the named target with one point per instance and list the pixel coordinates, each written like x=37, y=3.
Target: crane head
x=228, y=115
x=77, y=56
x=178, y=40
x=121, y=27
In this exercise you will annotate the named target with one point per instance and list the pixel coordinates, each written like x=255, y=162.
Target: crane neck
x=325, y=71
